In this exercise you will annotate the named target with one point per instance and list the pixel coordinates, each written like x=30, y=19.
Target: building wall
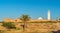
x=7, y=20
x=11, y=20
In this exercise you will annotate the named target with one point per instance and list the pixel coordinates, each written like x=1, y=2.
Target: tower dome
x=40, y=18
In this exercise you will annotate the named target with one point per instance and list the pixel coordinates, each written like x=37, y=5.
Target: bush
x=17, y=28
x=1, y=31
x=33, y=32
x=9, y=25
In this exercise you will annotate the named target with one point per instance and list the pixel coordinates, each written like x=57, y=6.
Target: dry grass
x=32, y=28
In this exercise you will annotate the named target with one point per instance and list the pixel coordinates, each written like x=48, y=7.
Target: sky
x=34, y=8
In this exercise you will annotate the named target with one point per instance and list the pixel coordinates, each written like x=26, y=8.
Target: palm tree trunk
x=24, y=27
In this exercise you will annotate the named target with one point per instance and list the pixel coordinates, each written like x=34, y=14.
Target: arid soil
x=33, y=27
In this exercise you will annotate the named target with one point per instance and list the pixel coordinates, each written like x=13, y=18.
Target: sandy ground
x=33, y=28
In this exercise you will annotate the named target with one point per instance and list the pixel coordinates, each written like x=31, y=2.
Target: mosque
x=38, y=20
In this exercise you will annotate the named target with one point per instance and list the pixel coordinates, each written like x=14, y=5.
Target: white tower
x=48, y=14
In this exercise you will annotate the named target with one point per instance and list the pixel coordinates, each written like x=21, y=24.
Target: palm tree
x=59, y=18
x=25, y=18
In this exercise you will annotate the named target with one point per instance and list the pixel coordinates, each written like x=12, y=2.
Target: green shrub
x=1, y=31
x=17, y=28
x=8, y=25
x=33, y=32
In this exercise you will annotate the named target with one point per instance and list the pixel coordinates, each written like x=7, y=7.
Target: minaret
x=48, y=14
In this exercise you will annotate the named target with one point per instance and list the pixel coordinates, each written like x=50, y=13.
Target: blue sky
x=35, y=8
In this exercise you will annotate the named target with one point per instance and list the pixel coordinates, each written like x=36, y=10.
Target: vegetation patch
x=9, y=25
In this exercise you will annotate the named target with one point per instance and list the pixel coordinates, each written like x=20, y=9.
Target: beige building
x=18, y=20
x=7, y=20
x=11, y=20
